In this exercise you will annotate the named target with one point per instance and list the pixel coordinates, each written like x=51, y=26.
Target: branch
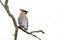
x=29, y=33
x=15, y=24
x=13, y=19
x=8, y=12
x=38, y=31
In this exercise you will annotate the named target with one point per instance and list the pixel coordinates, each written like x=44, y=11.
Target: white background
x=43, y=15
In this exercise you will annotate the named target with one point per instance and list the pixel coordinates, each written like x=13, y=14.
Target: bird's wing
x=27, y=22
x=19, y=20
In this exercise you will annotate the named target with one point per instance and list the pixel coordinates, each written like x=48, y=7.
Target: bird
x=23, y=19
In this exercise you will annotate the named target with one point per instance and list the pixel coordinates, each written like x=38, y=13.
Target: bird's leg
x=22, y=27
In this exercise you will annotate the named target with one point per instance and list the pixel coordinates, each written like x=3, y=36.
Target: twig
x=38, y=31
x=6, y=2
x=1, y=3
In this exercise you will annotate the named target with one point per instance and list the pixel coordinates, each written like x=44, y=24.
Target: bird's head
x=23, y=11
